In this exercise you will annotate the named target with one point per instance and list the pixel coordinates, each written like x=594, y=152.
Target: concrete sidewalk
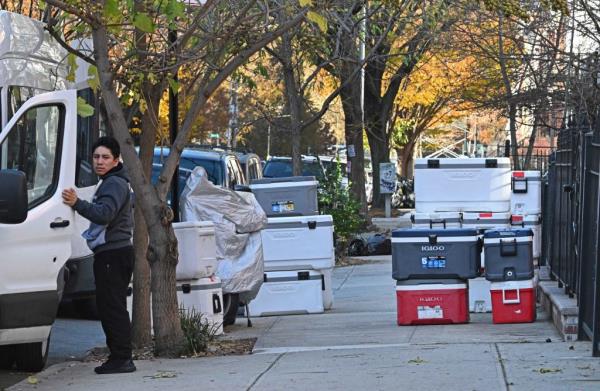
x=357, y=346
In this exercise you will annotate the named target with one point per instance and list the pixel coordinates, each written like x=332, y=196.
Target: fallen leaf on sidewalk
x=32, y=380
x=417, y=361
x=163, y=375
x=548, y=370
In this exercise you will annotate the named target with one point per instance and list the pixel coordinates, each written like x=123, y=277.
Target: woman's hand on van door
x=69, y=196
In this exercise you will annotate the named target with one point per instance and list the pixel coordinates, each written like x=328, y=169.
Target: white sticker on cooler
x=426, y=312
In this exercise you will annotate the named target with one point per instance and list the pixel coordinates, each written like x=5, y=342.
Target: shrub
x=336, y=200
x=197, y=331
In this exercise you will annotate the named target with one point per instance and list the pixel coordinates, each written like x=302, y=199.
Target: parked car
x=277, y=167
x=251, y=165
x=330, y=161
x=222, y=168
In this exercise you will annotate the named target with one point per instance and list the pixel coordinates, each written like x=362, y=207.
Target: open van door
x=37, y=161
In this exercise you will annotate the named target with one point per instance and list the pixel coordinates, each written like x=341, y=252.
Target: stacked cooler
x=431, y=267
x=526, y=205
x=297, y=246
x=469, y=193
x=198, y=289
x=509, y=268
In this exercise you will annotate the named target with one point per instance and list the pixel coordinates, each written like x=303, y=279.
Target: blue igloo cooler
x=435, y=253
x=508, y=254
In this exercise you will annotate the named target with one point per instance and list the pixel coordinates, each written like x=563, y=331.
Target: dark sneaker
x=115, y=366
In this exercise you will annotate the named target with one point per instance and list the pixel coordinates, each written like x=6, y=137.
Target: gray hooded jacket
x=110, y=212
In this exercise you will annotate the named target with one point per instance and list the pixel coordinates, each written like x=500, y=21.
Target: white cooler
x=436, y=220
x=327, y=283
x=462, y=184
x=298, y=242
x=526, y=196
x=480, y=299
x=535, y=223
x=289, y=292
x=197, y=249
x=203, y=295
x=486, y=220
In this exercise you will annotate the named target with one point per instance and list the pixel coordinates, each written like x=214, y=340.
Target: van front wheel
x=31, y=357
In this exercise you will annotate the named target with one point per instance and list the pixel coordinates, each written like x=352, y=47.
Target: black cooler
x=435, y=253
x=508, y=254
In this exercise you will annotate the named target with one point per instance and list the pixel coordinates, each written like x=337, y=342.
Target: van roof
x=23, y=38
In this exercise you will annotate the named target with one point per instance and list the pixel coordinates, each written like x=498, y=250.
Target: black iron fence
x=536, y=160
x=570, y=244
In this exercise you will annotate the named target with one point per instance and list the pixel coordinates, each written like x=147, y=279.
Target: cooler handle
x=508, y=248
x=511, y=301
x=434, y=221
x=513, y=185
x=217, y=308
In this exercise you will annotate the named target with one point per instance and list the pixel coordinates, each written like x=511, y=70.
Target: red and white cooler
x=513, y=301
x=432, y=302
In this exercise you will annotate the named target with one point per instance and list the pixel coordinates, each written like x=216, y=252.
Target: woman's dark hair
x=110, y=143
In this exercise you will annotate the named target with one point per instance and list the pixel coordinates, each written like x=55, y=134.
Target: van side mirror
x=13, y=197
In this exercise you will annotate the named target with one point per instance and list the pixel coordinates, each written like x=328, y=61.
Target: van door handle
x=59, y=224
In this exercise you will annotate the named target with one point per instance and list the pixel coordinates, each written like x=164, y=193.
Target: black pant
x=112, y=271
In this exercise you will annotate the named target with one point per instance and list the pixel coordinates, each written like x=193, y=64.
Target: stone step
x=564, y=310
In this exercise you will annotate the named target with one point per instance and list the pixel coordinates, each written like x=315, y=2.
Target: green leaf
x=72, y=67
x=93, y=78
x=143, y=22
x=318, y=19
x=174, y=85
x=111, y=9
x=262, y=70
x=305, y=3
x=175, y=9
x=83, y=108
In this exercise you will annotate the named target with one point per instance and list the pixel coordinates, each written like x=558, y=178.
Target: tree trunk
x=140, y=332
x=141, y=335
x=293, y=99
x=355, y=153
x=532, y=136
x=406, y=157
x=162, y=252
x=512, y=119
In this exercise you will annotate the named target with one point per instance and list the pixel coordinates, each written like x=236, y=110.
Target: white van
x=44, y=147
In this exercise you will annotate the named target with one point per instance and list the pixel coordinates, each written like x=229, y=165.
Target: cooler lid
x=193, y=224
x=531, y=174
x=424, y=232
x=265, y=181
x=462, y=163
x=512, y=284
x=299, y=221
x=507, y=233
x=431, y=281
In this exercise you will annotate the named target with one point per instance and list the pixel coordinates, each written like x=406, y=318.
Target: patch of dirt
x=218, y=347
x=351, y=261
x=380, y=212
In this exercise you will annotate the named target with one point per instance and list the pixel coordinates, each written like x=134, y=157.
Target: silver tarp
x=238, y=219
